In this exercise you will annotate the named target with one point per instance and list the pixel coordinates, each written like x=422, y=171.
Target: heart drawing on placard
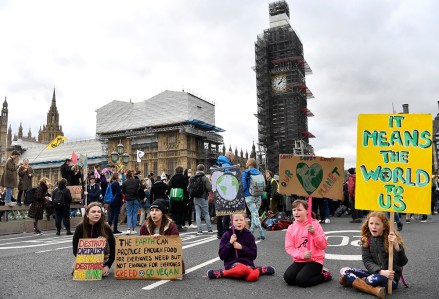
x=309, y=177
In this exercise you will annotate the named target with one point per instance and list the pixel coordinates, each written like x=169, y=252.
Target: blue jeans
x=375, y=280
x=8, y=195
x=201, y=206
x=133, y=207
x=253, y=204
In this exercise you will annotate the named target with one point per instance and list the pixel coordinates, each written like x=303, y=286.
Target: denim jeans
x=201, y=206
x=253, y=204
x=133, y=207
x=114, y=212
x=8, y=195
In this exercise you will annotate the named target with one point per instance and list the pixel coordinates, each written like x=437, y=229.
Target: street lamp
x=119, y=154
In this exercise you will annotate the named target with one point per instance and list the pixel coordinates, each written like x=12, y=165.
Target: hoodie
x=296, y=240
x=223, y=161
x=245, y=179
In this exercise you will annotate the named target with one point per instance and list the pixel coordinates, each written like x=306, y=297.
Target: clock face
x=279, y=83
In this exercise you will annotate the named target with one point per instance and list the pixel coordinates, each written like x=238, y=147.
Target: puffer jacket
x=375, y=257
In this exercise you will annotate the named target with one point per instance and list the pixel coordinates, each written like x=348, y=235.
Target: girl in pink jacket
x=307, y=268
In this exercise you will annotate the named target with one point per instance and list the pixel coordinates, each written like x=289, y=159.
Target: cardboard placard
x=314, y=176
x=227, y=191
x=89, y=259
x=145, y=257
x=76, y=192
x=394, y=162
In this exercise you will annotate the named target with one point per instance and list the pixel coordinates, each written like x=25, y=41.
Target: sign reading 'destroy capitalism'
x=227, y=190
x=314, y=176
x=145, y=257
x=89, y=259
x=394, y=161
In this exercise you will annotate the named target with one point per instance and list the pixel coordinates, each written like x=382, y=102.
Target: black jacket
x=158, y=191
x=66, y=193
x=179, y=180
x=130, y=188
x=375, y=257
x=66, y=172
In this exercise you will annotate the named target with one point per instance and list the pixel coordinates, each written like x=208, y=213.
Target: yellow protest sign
x=145, y=257
x=314, y=176
x=394, y=162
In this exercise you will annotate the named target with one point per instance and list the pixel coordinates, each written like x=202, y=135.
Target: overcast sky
x=367, y=56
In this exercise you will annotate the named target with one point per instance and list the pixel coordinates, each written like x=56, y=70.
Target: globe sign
x=227, y=186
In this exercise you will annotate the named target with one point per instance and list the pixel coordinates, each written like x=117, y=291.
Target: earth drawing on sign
x=309, y=177
x=227, y=186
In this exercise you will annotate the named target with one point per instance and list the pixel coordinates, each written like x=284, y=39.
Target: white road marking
x=53, y=249
x=343, y=257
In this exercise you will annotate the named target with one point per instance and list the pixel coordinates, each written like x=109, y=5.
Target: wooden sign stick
x=392, y=229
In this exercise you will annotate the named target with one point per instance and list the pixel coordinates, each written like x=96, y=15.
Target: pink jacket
x=296, y=241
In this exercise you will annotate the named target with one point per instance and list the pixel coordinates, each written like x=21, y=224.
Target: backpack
x=176, y=194
x=340, y=210
x=109, y=197
x=29, y=196
x=256, y=185
x=58, y=200
x=196, y=186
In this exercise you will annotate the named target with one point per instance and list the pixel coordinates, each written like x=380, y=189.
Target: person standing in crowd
x=93, y=226
x=93, y=192
x=66, y=171
x=190, y=207
x=146, y=202
x=238, y=251
x=37, y=207
x=77, y=178
x=159, y=191
x=356, y=214
x=25, y=174
x=199, y=187
x=114, y=207
x=253, y=202
x=130, y=189
x=10, y=176
x=307, y=268
x=273, y=192
x=223, y=222
x=63, y=195
x=178, y=204
x=375, y=240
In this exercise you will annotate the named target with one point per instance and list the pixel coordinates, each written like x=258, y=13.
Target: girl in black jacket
x=375, y=240
x=94, y=226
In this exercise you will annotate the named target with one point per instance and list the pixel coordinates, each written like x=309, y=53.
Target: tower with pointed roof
x=52, y=127
x=4, y=131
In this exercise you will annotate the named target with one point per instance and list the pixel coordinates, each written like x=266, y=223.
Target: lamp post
x=119, y=155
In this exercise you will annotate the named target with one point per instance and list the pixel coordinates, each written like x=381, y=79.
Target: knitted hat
x=158, y=204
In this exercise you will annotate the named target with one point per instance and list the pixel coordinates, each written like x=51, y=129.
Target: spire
x=246, y=154
x=230, y=148
x=236, y=151
x=242, y=153
x=253, y=153
x=5, y=103
x=53, y=98
x=224, y=149
x=29, y=134
x=20, y=131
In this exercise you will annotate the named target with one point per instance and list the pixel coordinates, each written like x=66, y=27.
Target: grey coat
x=9, y=178
x=375, y=257
x=24, y=180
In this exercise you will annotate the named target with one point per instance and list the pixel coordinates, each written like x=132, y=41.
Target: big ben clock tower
x=281, y=90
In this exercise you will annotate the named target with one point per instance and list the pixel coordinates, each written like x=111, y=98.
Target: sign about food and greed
x=319, y=177
x=394, y=162
x=145, y=257
x=89, y=259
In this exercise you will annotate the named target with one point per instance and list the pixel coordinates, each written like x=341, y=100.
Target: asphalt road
x=40, y=267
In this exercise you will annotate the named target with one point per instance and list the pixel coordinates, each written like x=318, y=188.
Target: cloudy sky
x=367, y=56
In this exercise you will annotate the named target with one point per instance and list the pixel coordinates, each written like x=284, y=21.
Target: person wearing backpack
x=61, y=199
x=253, y=186
x=130, y=189
x=199, y=187
x=179, y=198
x=115, y=194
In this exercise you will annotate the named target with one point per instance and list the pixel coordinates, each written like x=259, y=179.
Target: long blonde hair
x=365, y=232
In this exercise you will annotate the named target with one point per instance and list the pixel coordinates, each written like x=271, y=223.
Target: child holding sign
x=238, y=251
x=375, y=240
x=308, y=254
x=94, y=226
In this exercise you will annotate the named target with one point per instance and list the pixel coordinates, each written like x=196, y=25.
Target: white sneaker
x=193, y=226
x=199, y=234
x=128, y=231
x=327, y=220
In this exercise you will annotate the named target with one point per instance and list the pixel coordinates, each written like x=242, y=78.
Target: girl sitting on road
x=238, y=251
x=375, y=240
x=94, y=226
x=307, y=268
x=158, y=223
